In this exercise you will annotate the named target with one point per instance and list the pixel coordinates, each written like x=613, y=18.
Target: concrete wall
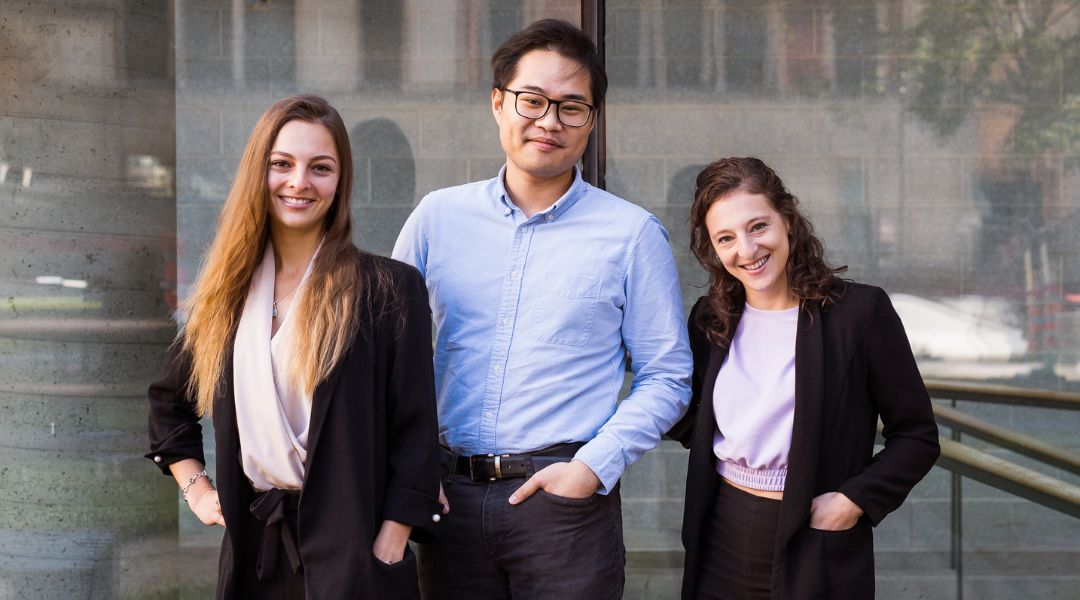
x=87, y=272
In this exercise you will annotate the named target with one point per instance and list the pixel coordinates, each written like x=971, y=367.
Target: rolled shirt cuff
x=605, y=458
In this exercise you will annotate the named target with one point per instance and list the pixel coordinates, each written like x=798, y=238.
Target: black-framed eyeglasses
x=571, y=113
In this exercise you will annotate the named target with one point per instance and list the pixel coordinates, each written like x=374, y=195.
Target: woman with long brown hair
x=792, y=368
x=314, y=360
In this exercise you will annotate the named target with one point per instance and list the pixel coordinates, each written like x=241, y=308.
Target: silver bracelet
x=191, y=481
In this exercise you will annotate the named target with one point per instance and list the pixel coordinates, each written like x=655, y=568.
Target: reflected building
x=914, y=188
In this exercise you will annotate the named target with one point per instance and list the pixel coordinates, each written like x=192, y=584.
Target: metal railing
x=1002, y=394
x=964, y=461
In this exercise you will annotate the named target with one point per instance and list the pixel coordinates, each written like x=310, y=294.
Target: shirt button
x=514, y=274
x=436, y=518
x=549, y=217
x=157, y=459
x=488, y=414
x=498, y=369
x=505, y=321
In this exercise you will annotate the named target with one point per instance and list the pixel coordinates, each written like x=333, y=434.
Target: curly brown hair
x=810, y=276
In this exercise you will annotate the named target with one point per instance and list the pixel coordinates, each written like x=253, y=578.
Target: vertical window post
x=594, y=161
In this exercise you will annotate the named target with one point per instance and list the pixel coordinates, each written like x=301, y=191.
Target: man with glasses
x=541, y=285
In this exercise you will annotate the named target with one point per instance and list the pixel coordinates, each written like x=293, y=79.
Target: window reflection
x=932, y=174
x=934, y=158
x=411, y=79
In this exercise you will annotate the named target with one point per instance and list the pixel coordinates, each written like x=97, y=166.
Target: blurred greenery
x=1023, y=53
x=64, y=303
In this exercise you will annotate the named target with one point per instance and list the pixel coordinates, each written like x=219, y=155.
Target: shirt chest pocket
x=567, y=308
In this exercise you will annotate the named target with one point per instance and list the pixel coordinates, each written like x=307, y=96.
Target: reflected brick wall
x=821, y=90
x=825, y=93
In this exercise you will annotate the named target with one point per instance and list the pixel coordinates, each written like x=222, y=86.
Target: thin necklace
x=273, y=313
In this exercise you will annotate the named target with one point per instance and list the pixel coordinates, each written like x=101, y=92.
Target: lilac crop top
x=754, y=400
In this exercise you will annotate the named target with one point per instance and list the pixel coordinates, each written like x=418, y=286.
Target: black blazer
x=853, y=364
x=372, y=451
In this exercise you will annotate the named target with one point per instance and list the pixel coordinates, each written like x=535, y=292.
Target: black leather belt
x=492, y=467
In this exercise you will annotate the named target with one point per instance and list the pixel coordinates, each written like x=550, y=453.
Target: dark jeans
x=737, y=547
x=547, y=547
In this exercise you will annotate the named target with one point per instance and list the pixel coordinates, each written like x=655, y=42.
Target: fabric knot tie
x=270, y=507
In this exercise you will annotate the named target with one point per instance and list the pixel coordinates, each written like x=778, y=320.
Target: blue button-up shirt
x=533, y=315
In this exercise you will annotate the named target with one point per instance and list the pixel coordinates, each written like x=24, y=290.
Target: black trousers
x=737, y=547
x=546, y=547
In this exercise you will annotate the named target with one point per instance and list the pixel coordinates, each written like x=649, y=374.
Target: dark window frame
x=594, y=161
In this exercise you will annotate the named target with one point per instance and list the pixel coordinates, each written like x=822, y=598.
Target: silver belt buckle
x=498, y=465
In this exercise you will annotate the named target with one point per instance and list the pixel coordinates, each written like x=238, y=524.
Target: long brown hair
x=326, y=310
x=810, y=276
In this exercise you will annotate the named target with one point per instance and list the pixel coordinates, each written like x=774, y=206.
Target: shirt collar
x=573, y=194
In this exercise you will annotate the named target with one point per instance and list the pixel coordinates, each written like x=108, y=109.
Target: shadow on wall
x=674, y=213
x=676, y=218
x=384, y=187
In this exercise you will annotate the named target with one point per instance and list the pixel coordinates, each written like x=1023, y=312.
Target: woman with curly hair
x=792, y=368
x=314, y=360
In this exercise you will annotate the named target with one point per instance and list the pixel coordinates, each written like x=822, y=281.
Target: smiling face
x=751, y=240
x=302, y=177
x=542, y=148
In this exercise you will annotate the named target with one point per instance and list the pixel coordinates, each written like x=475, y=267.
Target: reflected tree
x=1008, y=68
x=1017, y=53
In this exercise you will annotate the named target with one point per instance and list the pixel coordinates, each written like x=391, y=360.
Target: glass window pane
x=411, y=80
x=934, y=160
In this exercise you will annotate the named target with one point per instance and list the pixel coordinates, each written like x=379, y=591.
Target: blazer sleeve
x=175, y=432
x=900, y=398
x=683, y=430
x=412, y=427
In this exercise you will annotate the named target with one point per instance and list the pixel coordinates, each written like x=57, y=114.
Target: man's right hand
x=572, y=479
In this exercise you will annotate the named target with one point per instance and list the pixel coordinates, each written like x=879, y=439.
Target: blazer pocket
x=849, y=561
x=400, y=579
x=567, y=308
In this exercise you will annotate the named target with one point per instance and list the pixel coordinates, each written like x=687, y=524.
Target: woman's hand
x=199, y=493
x=442, y=500
x=833, y=512
x=390, y=544
x=205, y=504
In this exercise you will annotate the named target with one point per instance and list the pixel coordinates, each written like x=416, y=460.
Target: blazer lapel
x=230, y=472
x=320, y=406
x=701, y=483
x=706, y=419
x=806, y=432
